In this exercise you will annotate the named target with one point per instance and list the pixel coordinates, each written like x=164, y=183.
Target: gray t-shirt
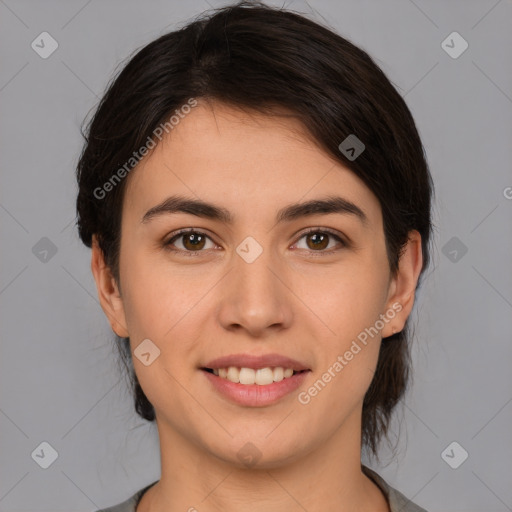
x=397, y=501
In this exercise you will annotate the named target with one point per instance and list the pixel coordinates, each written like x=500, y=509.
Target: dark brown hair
x=258, y=57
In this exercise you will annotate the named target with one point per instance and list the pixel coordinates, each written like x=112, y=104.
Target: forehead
x=247, y=161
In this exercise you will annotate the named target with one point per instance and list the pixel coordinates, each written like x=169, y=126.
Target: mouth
x=254, y=381
x=254, y=376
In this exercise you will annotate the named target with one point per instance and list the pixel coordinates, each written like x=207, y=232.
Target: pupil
x=319, y=240
x=189, y=239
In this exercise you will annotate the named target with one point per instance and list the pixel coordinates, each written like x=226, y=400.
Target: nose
x=256, y=297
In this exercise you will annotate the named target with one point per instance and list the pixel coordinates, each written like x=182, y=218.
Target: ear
x=403, y=286
x=108, y=292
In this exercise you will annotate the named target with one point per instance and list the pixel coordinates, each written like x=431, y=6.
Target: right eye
x=191, y=241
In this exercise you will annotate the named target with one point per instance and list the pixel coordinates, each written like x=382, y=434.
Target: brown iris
x=196, y=241
x=321, y=240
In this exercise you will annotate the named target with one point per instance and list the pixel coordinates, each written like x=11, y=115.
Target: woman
x=257, y=201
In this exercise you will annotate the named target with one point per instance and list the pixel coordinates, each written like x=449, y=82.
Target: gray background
x=58, y=378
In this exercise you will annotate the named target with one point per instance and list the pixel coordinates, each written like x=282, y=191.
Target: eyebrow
x=328, y=205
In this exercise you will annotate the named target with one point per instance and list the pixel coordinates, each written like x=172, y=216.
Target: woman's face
x=255, y=285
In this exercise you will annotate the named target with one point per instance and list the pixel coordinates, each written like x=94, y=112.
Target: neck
x=328, y=477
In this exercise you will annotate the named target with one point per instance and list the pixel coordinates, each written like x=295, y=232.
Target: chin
x=257, y=451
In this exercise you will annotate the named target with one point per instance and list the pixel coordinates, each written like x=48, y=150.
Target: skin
x=291, y=300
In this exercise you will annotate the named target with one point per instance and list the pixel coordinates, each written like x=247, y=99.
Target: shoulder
x=397, y=501
x=126, y=506
x=130, y=504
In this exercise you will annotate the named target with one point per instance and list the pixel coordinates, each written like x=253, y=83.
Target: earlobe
x=108, y=292
x=403, y=285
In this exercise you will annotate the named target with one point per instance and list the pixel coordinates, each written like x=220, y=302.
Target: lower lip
x=254, y=395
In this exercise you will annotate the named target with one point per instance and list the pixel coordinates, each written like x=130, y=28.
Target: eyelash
x=325, y=231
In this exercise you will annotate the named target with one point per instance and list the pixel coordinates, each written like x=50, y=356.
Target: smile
x=249, y=376
x=254, y=388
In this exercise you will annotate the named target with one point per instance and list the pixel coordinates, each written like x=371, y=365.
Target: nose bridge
x=255, y=278
x=255, y=298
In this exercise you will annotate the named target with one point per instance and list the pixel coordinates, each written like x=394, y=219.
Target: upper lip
x=256, y=362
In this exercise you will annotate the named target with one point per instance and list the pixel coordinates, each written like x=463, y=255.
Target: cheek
x=157, y=298
x=348, y=299
x=161, y=307
x=350, y=306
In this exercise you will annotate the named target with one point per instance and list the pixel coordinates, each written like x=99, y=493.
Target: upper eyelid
x=185, y=231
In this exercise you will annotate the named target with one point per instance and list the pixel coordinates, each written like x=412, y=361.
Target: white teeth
x=248, y=376
x=233, y=374
x=278, y=374
x=264, y=376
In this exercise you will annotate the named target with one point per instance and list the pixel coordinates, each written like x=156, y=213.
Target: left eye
x=318, y=240
x=194, y=241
